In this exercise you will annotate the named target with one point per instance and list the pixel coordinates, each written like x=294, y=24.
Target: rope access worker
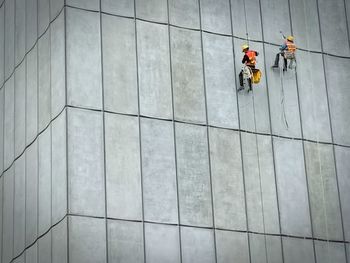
x=249, y=59
x=287, y=50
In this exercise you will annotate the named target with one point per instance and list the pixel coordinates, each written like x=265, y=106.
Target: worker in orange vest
x=287, y=50
x=249, y=59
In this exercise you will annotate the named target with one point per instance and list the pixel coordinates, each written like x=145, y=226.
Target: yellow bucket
x=256, y=76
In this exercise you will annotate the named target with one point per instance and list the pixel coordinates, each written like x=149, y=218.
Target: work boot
x=284, y=69
x=275, y=66
x=240, y=88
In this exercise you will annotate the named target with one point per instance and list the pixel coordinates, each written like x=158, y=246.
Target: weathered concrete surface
x=123, y=138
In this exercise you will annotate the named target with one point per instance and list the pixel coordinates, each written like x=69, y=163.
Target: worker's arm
x=283, y=47
x=245, y=59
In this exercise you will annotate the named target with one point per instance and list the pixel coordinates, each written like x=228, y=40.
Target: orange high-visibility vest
x=291, y=47
x=252, y=58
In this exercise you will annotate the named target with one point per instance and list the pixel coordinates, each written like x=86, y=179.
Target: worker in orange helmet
x=249, y=59
x=287, y=50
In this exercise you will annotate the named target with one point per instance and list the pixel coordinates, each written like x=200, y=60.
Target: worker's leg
x=285, y=63
x=250, y=84
x=277, y=59
x=241, y=78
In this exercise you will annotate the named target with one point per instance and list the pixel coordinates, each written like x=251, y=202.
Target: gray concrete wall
x=123, y=139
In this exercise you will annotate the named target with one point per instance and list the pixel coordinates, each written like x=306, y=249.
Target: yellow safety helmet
x=244, y=47
x=290, y=38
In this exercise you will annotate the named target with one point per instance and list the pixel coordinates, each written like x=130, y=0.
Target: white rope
x=283, y=112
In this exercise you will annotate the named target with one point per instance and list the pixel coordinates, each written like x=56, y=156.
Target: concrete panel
x=44, y=76
x=44, y=248
x=162, y=243
x=158, y=171
x=43, y=15
x=31, y=95
x=125, y=242
x=189, y=99
x=59, y=168
x=8, y=213
x=275, y=18
x=330, y=252
x=31, y=23
x=59, y=242
x=154, y=69
x=333, y=13
x=58, y=75
x=119, y=64
x=20, y=37
x=258, y=248
x=9, y=123
x=45, y=181
x=31, y=193
x=215, y=16
x=274, y=249
x=232, y=247
x=87, y=240
x=313, y=97
x=85, y=4
x=343, y=167
x=2, y=48
x=219, y=77
x=9, y=37
x=31, y=254
x=260, y=184
x=253, y=107
x=298, y=250
x=306, y=28
x=283, y=97
x=123, y=171
x=265, y=249
x=19, y=206
x=227, y=179
x=292, y=188
x=85, y=153
x=324, y=199
x=339, y=97
x=20, y=109
x=193, y=170
x=184, y=13
x=121, y=7
x=239, y=24
x=83, y=72
x=197, y=245
x=55, y=7
x=154, y=10
x=2, y=124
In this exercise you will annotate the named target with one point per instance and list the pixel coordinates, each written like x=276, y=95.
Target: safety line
x=240, y=142
x=174, y=132
x=103, y=132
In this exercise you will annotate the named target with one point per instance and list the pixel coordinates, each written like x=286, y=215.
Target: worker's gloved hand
x=257, y=53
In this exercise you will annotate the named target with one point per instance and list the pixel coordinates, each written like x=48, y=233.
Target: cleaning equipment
x=256, y=76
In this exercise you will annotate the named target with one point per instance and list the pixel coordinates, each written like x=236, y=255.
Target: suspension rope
x=256, y=141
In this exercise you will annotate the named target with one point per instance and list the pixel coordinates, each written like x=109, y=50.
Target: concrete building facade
x=123, y=138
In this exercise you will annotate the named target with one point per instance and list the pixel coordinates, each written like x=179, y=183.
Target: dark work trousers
x=241, y=78
x=278, y=59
